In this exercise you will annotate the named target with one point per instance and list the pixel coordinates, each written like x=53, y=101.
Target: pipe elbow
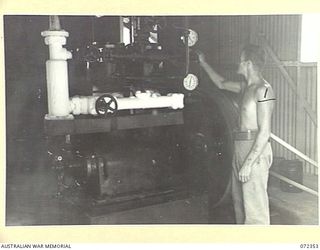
x=68, y=54
x=63, y=54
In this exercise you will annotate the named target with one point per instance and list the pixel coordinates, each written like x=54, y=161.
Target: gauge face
x=190, y=82
x=192, y=38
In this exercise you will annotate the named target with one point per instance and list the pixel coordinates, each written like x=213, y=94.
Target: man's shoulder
x=264, y=92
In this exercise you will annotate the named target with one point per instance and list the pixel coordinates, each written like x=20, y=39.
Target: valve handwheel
x=106, y=105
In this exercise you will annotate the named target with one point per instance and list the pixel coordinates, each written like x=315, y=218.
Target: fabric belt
x=247, y=135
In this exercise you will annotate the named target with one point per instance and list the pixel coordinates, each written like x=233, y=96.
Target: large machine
x=147, y=128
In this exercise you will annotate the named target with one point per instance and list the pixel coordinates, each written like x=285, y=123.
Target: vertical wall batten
x=309, y=79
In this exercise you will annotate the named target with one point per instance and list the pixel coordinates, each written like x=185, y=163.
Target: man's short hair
x=256, y=55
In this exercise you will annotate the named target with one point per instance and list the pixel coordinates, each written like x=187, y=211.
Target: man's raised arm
x=218, y=80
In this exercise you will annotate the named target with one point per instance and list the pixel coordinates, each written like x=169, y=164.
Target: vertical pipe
x=54, y=23
x=57, y=71
x=131, y=29
x=121, y=28
x=57, y=85
x=92, y=30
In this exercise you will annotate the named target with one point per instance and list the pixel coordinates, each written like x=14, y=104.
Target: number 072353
x=309, y=246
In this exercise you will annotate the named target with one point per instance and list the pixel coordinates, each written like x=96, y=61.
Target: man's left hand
x=244, y=173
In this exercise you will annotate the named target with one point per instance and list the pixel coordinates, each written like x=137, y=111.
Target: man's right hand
x=201, y=56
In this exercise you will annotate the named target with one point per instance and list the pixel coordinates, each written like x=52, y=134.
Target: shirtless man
x=252, y=150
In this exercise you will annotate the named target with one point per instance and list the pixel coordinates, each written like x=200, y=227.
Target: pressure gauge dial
x=190, y=82
x=192, y=38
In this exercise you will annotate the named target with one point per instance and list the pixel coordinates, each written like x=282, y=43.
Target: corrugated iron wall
x=283, y=35
x=282, y=32
x=222, y=47
x=284, y=116
x=221, y=37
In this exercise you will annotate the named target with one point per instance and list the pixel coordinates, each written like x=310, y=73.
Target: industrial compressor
x=150, y=127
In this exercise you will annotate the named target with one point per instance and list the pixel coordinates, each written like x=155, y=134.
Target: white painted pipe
x=147, y=100
x=57, y=88
x=55, y=39
x=83, y=105
x=86, y=104
x=57, y=75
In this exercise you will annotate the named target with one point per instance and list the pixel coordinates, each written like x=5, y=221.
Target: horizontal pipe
x=86, y=104
x=174, y=101
x=293, y=150
x=293, y=183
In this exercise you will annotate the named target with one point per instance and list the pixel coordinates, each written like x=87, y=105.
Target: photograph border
x=150, y=233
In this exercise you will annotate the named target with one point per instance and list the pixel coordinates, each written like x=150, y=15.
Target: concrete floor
x=295, y=208
x=31, y=201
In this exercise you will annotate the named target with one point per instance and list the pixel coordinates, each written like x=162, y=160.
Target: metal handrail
x=294, y=150
x=293, y=183
x=303, y=156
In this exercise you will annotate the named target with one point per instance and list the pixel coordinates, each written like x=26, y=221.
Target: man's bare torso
x=248, y=112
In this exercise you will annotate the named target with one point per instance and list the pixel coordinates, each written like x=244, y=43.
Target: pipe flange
x=55, y=33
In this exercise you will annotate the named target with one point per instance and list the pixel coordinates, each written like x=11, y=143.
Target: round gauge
x=192, y=38
x=190, y=82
